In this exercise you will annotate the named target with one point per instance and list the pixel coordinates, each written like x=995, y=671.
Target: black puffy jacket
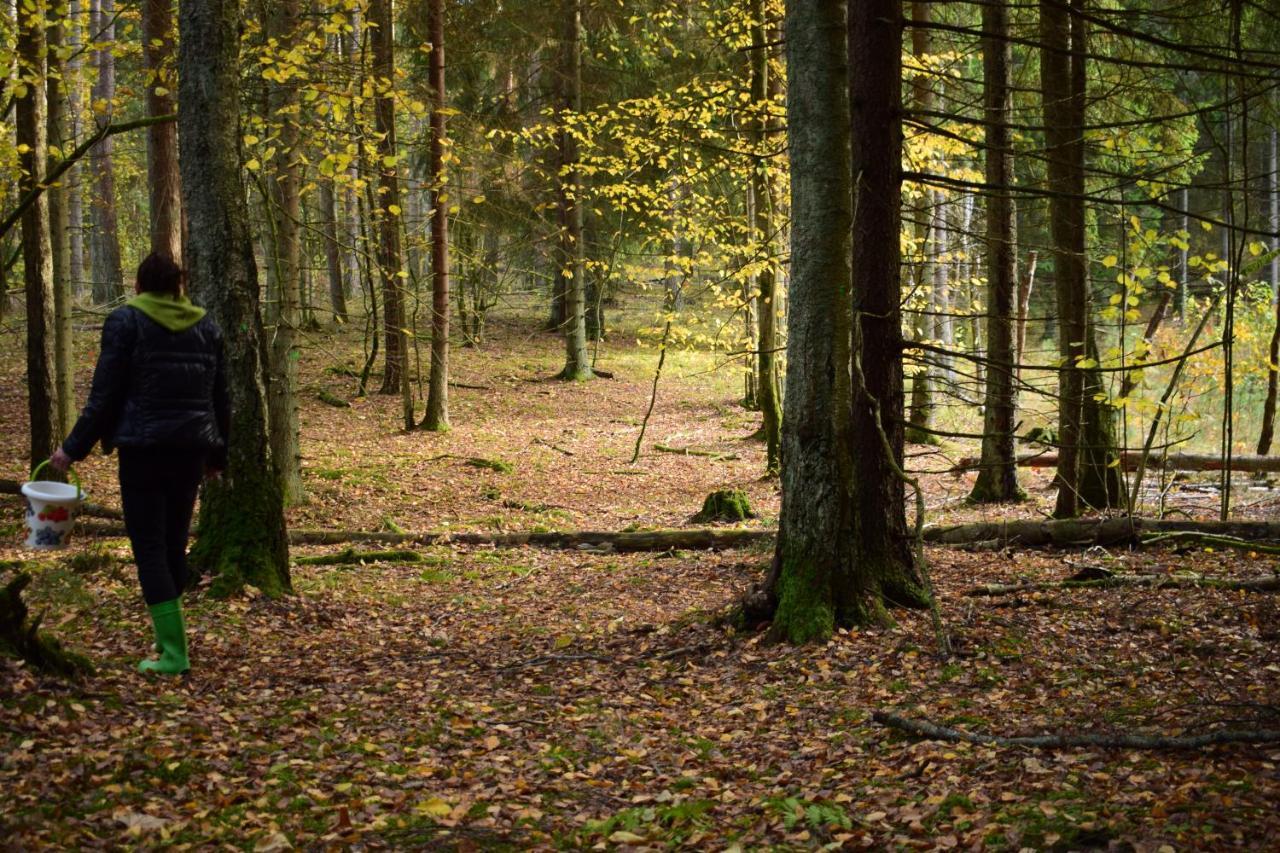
x=156, y=388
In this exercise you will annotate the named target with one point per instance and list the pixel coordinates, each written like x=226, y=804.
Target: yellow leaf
x=393, y=209
x=253, y=165
x=1110, y=261
x=250, y=139
x=624, y=837
x=434, y=807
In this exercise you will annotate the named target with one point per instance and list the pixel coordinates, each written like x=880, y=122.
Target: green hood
x=175, y=313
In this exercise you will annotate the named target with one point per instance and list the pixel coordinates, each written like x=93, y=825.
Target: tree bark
x=1025, y=285
x=332, y=251
x=998, y=477
x=885, y=568
x=767, y=394
x=37, y=251
x=1064, y=143
x=920, y=413
x=241, y=530
x=104, y=239
x=59, y=221
x=437, y=414
x=807, y=590
x=72, y=179
x=390, y=256
x=163, y=182
x=284, y=207
x=1267, y=431
x=577, y=361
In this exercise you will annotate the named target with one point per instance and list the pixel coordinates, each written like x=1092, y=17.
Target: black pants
x=158, y=492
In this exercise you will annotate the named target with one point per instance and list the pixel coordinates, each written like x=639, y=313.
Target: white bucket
x=51, y=511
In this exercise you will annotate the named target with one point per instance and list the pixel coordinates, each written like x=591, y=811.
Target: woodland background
x=498, y=274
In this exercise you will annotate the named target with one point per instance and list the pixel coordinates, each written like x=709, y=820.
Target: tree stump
x=20, y=636
x=725, y=505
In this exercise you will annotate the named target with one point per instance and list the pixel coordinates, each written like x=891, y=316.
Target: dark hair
x=159, y=274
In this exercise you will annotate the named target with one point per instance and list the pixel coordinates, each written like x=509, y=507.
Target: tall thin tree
x=59, y=214
x=767, y=394
x=284, y=207
x=37, y=252
x=104, y=240
x=577, y=362
x=242, y=537
x=163, y=181
x=395, y=377
x=998, y=474
x=809, y=587
x=437, y=414
x=886, y=564
x=1064, y=144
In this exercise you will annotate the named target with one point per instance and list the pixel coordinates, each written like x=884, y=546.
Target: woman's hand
x=60, y=461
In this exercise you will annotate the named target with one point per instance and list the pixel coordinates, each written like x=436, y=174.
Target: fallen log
x=695, y=539
x=351, y=557
x=1076, y=532
x=1130, y=459
x=1265, y=584
x=932, y=731
x=1027, y=533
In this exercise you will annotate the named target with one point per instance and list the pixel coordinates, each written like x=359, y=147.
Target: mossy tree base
x=241, y=538
x=20, y=636
x=725, y=505
x=987, y=493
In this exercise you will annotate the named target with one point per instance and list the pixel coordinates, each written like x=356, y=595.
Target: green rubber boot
x=171, y=636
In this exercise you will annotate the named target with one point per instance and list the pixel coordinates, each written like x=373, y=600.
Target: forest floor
x=489, y=699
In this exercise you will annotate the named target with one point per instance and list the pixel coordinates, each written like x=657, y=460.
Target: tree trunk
x=882, y=553
x=767, y=393
x=75, y=192
x=1025, y=286
x=59, y=222
x=332, y=251
x=390, y=259
x=37, y=252
x=437, y=414
x=920, y=414
x=998, y=477
x=284, y=207
x=104, y=239
x=810, y=585
x=1273, y=349
x=1063, y=118
x=163, y=182
x=577, y=361
x=242, y=537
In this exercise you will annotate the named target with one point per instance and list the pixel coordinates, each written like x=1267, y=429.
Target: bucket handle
x=74, y=479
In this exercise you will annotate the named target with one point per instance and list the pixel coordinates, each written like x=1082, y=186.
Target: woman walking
x=159, y=395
